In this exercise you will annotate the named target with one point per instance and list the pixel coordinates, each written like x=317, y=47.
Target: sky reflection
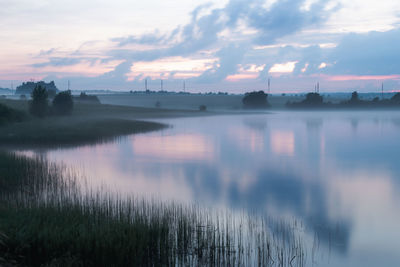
x=336, y=172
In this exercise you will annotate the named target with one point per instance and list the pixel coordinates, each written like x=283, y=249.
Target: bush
x=39, y=104
x=63, y=103
x=83, y=97
x=202, y=107
x=8, y=115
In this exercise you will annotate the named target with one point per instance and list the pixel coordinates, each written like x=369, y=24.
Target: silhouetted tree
x=396, y=98
x=354, y=97
x=202, y=107
x=63, y=103
x=51, y=93
x=255, y=100
x=39, y=104
x=313, y=99
x=88, y=98
x=8, y=114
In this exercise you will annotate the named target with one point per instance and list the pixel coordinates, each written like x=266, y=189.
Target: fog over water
x=336, y=172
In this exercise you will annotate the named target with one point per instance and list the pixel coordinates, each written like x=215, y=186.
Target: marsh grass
x=48, y=219
x=67, y=132
x=88, y=124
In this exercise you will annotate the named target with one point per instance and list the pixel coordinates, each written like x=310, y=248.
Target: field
x=216, y=102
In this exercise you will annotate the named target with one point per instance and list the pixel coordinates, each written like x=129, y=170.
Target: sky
x=224, y=45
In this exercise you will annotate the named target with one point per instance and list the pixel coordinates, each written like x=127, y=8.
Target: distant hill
x=27, y=87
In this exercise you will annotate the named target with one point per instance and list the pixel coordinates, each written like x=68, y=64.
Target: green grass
x=47, y=219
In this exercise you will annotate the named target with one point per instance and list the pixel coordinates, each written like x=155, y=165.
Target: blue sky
x=228, y=45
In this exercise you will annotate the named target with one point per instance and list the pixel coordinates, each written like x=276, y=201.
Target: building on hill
x=26, y=88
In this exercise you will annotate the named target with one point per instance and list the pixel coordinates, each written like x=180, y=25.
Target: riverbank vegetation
x=256, y=100
x=10, y=115
x=87, y=123
x=48, y=219
x=315, y=100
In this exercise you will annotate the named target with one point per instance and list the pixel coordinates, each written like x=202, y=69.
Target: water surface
x=336, y=172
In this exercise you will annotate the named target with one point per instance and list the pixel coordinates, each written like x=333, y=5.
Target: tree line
x=62, y=103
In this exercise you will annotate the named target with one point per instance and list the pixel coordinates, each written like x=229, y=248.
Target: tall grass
x=71, y=131
x=48, y=219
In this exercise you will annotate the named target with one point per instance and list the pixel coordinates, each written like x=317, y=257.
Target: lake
x=337, y=173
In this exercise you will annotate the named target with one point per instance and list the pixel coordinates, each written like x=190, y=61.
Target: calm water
x=336, y=172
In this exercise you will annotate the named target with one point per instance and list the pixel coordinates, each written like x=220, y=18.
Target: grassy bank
x=89, y=123
x=70, y=131
x=46, y=219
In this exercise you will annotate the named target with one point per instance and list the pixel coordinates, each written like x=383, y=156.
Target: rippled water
x=336, y=172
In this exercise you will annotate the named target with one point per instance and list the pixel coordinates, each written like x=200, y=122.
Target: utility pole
x=161, y=84
x=145, y=84
x=269, y=85
x=184, y=86
x=318, y=87
x=12, y=86
x=68, y=85
x=382, y=91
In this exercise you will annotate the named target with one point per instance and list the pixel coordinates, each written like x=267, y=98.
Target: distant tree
x=202, y=107
x=22, y=97
x=396, y=98
x=63, y=103
x=354, y=97
x=313, y=98
x=39, y=103
x=8, y=115
x=51, y=93
x=83, y=97
x=255, y=100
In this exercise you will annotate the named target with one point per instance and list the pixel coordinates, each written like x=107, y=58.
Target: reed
x=48, y=219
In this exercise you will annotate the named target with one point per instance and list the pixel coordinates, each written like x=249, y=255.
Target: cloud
x=211, y=29
x=202, y=32
x=286, y=17
x=150, y=38
x=373, y=53
x=47, y=52
x=59, y=61
x=369, y=54
x=229, y=59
